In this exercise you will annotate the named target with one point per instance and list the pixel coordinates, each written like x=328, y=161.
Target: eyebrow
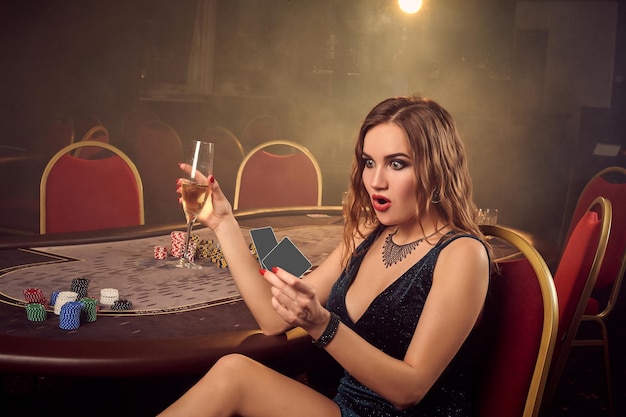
x=388, y=157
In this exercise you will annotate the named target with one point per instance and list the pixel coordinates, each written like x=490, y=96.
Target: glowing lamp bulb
x=410, y=6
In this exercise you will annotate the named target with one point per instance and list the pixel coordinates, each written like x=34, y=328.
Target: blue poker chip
x=69, y=317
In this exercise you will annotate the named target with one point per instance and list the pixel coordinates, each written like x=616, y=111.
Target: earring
x=436, y=198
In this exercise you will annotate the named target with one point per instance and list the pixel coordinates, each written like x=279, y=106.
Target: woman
x=395, y=303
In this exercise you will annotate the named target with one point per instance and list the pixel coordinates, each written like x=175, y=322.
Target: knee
x=233, y=362
x=229, y=368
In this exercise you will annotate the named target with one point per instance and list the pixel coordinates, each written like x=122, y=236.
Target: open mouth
x=380, y=203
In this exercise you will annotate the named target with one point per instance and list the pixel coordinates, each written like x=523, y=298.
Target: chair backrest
x=84, y=123
x=521, y=316
x=575, y=277
x=133, y=120
x=267, y=180
x=97, y=133
x=259, y=129
x=611, y=184
x=229, y=153
x=157, y=149
x=90, y=194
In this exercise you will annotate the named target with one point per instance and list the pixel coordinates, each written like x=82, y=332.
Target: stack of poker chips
x=36, y=312
x=35, y=295
x=191, y=251
x=89, y=311
x=198, y=248
x=80, y=286
x=253, y=251
x=63, y=298
x=178, y=244
x=207, y=249
x=160, y=252
x=53, y=298
x=121, y=305
x=69, y=318
x=108, y=296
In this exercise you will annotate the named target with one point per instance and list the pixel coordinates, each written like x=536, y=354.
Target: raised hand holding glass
x=195, y=190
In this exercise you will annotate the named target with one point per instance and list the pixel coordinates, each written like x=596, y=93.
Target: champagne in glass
x=195, y=190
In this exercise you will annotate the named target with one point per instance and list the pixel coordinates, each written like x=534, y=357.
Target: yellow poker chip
x=253, y=251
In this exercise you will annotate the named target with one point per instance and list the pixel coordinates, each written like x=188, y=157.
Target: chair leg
x=604, y=343
x=607, y=368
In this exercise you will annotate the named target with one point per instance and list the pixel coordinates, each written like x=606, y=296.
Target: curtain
x=201, y=58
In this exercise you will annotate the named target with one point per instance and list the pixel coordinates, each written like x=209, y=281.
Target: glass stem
x=188, y=239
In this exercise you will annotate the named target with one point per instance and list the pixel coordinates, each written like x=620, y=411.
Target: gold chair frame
x=90, y=133
x=560, y=359
x=69, y=149
x=264, y=145
x=599, y=318
x=550, y=314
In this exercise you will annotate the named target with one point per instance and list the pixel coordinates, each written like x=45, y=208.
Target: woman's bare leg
x=238, y=385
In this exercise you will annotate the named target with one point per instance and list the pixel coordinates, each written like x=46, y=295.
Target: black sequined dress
x=389, y=324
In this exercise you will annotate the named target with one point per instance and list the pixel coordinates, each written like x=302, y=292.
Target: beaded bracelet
x=329, y=332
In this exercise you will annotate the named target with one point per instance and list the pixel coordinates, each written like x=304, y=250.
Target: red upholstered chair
x=229, y=153
x=611, y=184
x=575, y=278
x=97, y=133
x=267, y=180
x=521, y=315
x=90, y=194
x=157, y=150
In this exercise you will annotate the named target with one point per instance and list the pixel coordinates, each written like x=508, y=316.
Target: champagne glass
x=195, y=191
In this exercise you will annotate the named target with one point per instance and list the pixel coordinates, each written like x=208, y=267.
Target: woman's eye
x=397, y=164
x=369, y=163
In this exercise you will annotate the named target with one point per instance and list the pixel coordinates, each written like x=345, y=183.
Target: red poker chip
x=160, y=252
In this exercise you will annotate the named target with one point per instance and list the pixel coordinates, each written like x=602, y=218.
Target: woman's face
x=389, y=175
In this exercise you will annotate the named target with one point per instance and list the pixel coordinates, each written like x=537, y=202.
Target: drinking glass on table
x=195, y=191
x=487, y=216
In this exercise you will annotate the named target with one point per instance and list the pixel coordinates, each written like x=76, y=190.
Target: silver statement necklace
x=393, y=253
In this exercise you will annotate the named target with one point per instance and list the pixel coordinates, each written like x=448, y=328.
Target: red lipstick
x=380, y=203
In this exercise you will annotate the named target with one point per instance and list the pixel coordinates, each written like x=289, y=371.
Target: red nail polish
x=262, y=271
x=212, y=179
x=274, y=269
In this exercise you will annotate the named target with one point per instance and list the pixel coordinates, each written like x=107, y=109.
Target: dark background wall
x=533, y=85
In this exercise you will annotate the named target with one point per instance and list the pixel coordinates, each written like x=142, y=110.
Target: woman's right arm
x=217, y=214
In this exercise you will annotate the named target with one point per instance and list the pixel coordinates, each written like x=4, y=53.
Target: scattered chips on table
x=122, y=304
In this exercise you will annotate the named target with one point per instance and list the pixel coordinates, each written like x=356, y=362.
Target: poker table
x=181, y=320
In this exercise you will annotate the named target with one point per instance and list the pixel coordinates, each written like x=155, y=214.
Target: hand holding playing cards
x=296, y=301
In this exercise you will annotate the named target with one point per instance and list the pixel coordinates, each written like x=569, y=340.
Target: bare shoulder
x=464, y=252
x=464, y=245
